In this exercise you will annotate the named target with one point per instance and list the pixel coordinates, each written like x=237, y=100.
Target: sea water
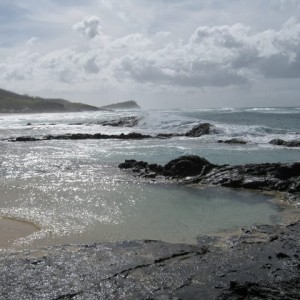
x=74, y=191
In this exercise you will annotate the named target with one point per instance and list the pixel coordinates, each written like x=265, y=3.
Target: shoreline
x=255, y=262
x=259, y=263
x=13, y=229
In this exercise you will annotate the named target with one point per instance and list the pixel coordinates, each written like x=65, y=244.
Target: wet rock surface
x=245, y=267
x=200, y=129
x=267, y=176
x=233, y=141
x=197, y=131
x=83, y=136
x=280, y=142
x=193, y=169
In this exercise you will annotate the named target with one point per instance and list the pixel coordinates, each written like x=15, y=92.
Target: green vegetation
x=15, y=103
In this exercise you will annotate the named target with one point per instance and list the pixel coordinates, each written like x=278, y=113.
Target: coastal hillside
x=11, y=102
x=122, y=105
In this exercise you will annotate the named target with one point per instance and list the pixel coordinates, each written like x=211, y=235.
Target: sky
x=160, y=53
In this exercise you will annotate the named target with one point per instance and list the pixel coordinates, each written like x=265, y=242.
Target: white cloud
x=150, y=46
x=89, y=27
x=213, y=56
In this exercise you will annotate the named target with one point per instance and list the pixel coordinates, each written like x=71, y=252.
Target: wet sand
x=12, y=229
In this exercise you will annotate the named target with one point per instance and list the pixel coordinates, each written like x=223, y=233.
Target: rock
x=199, y=130
x=233, y=141
x=84, y=136
x=135, y=135
x=269, y=177
x=166, y=135
x=277, y=142
x=132, y=163
x=280, y=142
x=190, y=165
x=157, y=270
x=80, y=136
x=26, y=139
x=128, y=164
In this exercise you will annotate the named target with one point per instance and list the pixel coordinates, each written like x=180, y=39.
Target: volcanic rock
x=233, y=141
x=199, y=130
x=194, y=169
x=189, y=165
x=253, y=267
x=280, y=142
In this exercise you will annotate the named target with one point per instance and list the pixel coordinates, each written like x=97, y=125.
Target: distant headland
x=122, y=105
x=11, y=102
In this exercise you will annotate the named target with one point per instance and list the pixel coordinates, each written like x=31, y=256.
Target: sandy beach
x=12, y=229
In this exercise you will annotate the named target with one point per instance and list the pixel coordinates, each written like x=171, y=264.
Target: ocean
x=74, y=191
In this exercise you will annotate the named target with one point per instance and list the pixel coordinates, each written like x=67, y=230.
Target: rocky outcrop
x=84, y=136
x=280, y=142
x=267, y=176
x=260, y=263
x=180, y=167
x=190, y=165
x=199, y=130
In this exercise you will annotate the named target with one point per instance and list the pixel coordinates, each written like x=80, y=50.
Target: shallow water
x=74, y=191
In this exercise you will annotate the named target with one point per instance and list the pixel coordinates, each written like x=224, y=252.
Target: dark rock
x=80, y=136
x=190, y=165
x=26, y=139
x=79, y=123
x=269, y=177
x=233, y=141
x=167, y=135
x=277, y=142
x=128, y=164
x=155, y=168
x=156, y=270
x=135, y=135
x=199, y=130
x=282, y=255
x=280, y=142
x=136, y=166
x=84, y=136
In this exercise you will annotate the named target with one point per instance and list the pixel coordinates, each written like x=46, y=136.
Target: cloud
x=211, y=56
x=219, y=56
x=88, y=27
